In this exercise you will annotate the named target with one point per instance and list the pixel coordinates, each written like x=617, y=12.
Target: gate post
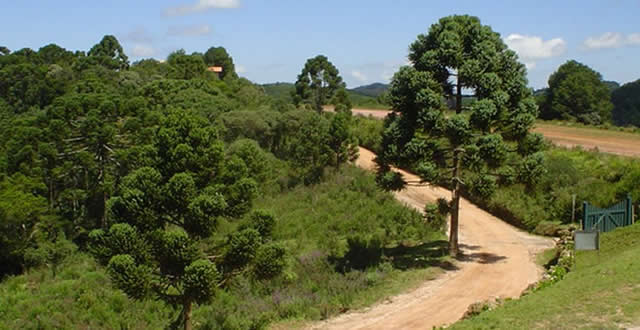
x=584, y=215
x=629, y=210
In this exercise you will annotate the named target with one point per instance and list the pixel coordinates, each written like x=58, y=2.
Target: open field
x=498, y=261
x=619, y=143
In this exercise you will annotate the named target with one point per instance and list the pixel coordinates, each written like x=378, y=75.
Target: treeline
x=576, y=92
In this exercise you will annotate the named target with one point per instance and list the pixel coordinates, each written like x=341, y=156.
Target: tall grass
x=349, y=245
x=80, y=296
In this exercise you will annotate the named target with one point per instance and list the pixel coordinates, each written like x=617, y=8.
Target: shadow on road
x=425, y=255
x=481, y=257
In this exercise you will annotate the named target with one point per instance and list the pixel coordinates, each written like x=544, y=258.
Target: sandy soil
x=624, y=144
x=498, y=261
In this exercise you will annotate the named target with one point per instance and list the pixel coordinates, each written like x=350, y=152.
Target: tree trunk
x=104, y=209
x=186, y=315
x=458, y=95
x=455, y=206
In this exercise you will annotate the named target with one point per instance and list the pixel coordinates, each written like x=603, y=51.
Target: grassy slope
x=312, y=222
x=601, y=292
x=79, y=296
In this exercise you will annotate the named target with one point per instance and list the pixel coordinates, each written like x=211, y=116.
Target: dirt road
x=497, y=262
x=619, y=143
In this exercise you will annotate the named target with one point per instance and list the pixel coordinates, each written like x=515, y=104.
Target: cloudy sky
x=366, y=40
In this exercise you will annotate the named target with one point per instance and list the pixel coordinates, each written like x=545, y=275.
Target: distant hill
x=279, y=90
x=373, y=90
x=283, y=90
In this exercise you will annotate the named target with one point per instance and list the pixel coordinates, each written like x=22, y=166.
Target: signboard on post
x=586, y=240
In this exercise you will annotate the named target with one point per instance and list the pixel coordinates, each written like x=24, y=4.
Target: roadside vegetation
x=600, y=178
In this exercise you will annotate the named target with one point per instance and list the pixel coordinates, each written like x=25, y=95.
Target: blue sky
x=366, y=40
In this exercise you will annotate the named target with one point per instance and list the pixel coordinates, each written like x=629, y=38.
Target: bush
x=269, y=261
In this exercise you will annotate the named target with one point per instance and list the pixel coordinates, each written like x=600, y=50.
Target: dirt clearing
x=498, y=261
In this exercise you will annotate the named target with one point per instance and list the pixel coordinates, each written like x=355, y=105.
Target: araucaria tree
x=163, y=210
x=318, y=83
x=476, y=149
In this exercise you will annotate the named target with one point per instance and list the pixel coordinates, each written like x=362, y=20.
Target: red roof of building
x=216, y=69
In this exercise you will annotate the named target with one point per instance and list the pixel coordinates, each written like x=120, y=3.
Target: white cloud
x=189, y=30
x=143, y=51
x=240, y=69
x=359, y=75
x=530, y=49
x=611, y=40
x=201, y=6
x=605, y=40
x=534, y=47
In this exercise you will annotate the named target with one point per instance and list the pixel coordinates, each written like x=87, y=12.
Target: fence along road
x=498, y=261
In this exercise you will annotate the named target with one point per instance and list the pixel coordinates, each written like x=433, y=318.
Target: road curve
x=498, y=262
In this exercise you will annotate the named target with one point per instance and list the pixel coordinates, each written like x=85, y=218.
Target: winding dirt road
x=619, y=143
x=498, y=261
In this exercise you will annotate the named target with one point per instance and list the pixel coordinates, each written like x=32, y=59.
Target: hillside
x=282, y=91
x=82, y=294
x=373, y=90
x=601, y=292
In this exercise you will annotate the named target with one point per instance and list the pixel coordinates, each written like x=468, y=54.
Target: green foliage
x=49, y=252
x=218, y=56
x=201, y=278
x=419, y=135
x=109, y=52
x=80, y=294
x=133, y=279
x=243, y=246
x=317, y=83
x=341, y=140
x=577, y=92
x=187, y=67
x=269, y=261
x=598, y=178
x=263, y=222
x=626, y=104
x=22, y=214
x=146, y=168
x=368, y=131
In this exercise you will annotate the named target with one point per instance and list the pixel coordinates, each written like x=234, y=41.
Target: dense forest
x=182, y=187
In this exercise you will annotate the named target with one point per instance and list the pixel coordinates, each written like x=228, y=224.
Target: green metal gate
x=603, y=220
